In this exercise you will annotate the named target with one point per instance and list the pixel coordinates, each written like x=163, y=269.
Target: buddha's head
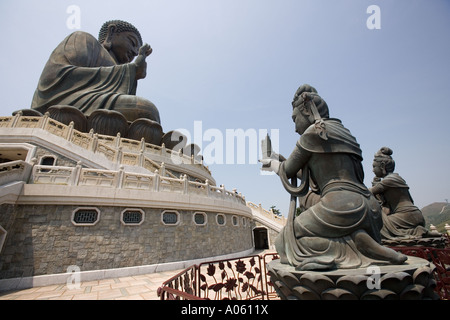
x=383, y=163
x=121, y=39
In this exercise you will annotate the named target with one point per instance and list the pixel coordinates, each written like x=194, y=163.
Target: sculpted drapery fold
x=81, y=73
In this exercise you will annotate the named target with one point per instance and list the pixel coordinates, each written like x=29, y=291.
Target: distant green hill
x=438, y=214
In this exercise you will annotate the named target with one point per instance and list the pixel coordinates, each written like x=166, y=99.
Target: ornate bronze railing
x=247, y=278
x=440, y=258
x=182, y=286
x=235, y=279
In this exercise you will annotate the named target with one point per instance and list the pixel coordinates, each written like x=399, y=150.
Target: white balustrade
x=94, y=177
x=52, y=175
x=78, y=176
x=116, y=149
x=258, y=209
x=138, y=181
x=14, y=171
x=109, y=146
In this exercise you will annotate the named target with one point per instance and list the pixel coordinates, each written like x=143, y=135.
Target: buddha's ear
x=109, y=36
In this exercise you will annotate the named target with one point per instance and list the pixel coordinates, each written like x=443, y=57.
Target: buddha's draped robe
x=80, y=72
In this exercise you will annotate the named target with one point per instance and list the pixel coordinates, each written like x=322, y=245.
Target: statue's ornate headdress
x=384, y=155
x=309, y=102
x=121, y=26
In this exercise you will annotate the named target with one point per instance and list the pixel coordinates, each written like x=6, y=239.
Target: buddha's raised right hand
x=141, y=64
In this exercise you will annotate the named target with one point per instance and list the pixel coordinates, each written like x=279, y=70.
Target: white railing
x=53, y=175
x=116, y=149
x=259, y=210
x=119, y=150
x=78, y=176
x=14, y=171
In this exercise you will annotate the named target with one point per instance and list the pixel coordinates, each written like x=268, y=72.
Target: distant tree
x=275, y=211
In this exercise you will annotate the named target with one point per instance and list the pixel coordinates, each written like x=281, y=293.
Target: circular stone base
x=412, y=280
x=434, y=242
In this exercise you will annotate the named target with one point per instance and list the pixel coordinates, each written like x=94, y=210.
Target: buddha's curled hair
x=121, y=26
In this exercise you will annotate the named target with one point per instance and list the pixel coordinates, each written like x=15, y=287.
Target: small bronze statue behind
x=402, y=220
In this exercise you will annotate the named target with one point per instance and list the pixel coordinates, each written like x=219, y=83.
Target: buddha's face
x=124, y=46
x=301, y=121
x=378, y=169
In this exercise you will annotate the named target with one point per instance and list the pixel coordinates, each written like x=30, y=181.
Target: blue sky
x=237, y=64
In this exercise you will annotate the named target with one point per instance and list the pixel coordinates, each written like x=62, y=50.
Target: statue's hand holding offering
x=270, y=164
x=141, y=64
x=270, y=160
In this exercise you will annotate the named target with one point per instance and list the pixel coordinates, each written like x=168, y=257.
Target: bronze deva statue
x=340, y=221
x=92, y=74
x=401, y=218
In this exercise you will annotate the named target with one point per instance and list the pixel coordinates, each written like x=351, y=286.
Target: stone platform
x=433, y=242
x=412, y=280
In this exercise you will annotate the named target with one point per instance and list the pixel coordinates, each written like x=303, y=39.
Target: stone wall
x=41, y=239
x=272, y=237
x=60, y=160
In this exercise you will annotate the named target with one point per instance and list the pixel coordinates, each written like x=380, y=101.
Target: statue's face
x=124, y=46
x=301, y=121
x=378, y=169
